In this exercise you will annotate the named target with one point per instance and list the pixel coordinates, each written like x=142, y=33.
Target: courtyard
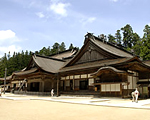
x=22, y=107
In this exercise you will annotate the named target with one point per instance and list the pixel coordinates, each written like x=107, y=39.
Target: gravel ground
x=48, y=110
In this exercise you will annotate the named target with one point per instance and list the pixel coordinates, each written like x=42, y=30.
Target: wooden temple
x=98, y=68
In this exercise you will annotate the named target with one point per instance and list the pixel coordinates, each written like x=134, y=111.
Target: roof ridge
x=63, y=51
x=48, y=57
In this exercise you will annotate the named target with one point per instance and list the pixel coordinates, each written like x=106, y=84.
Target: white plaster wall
x=84, y=76
x=91, y=81
x=117, y=87
x=71, y=77
x=77, y=76
x=67, y=78
x=110, y=87
x=113, y=87
x=103, y=88
x=107, y=87
x=62, y=78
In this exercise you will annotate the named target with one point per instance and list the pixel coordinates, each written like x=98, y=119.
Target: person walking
x=135, y=95
x=52, y=92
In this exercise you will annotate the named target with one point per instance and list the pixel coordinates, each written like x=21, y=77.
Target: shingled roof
x=48, y=64
x=107, y=68
x=113, y=49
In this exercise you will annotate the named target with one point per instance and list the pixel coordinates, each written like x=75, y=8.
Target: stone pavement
x=112, y=102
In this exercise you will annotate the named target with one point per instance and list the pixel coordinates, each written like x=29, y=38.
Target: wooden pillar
x=132, y=81
x=121, y=89
x=57, y=84
x=127, y=85
x=52, y=84
x=65, y=84
x=29, y=87
x=43, y=84
x=73, y=83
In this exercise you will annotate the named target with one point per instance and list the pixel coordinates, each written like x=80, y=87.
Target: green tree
x=62, y=47
x=55, y=48
x=118, y=37
x=127, y=36
x=145, y=48
x=48, y=51
x=43, y=51
x=71, y=46
x=111, y=38
x=136, y=44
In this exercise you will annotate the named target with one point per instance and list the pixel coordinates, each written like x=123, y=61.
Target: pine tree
x=145, y=48
x=71, y=46
x=136, y=44
x=111, y=38
x=118, y=37
x=55, y=48
x=62, y=47
x=127, y=36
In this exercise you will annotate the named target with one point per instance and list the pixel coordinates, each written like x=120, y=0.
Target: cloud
x=11, y=49
x=40, y=15
x=7, y=40
x=59, y=8
x=114, y=0
x=91, y=19
x=6, y=34
x=86, y=20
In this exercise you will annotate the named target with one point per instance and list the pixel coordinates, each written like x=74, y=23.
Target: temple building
x=99, y=68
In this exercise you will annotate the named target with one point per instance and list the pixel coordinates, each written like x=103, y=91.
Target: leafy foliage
x=145, y=47
x=111, y=38
x=15, y=63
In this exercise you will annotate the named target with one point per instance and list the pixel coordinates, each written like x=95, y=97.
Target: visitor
x=135, y=95
x=52, y=92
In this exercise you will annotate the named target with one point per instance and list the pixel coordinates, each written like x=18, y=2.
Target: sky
x=34, y=24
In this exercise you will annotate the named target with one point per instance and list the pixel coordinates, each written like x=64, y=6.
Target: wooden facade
x=103, y=68
x=99, y=68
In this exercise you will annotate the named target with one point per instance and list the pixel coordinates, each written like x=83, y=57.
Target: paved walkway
x=112, y=102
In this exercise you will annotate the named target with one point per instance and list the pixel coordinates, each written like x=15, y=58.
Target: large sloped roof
x=20, y=73
x=48, y=64
x=7, y=78
x=107, y=68
x=111, y=48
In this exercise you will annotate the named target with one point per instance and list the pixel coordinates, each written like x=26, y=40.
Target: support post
x=57, y=84
x=43, y=85
x=5, y=79
x=73, y=83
